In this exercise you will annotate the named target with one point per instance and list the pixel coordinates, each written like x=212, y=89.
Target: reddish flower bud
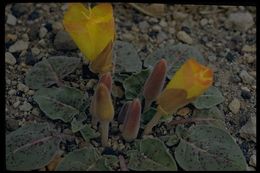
x=122, y=114
x=154, y=83
x=107, y=80
x=132, y=121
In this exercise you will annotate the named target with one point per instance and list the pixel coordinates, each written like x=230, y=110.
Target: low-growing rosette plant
x=148, y=99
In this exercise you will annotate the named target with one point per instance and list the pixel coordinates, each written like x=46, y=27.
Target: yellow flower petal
x=91, y=29
x=192, y=77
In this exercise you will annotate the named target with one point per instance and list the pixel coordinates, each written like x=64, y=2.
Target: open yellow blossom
x=192, y=77
x=91, y=29
x=189, y=82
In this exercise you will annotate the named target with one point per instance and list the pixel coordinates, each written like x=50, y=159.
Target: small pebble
x=43, y=31
x=35, y=51
x=63, y=41
x=11, y=92
x=36, y=112
x=247, y=48
x=245, y=94
x=252, y=161
x=241, y=21
x=234, y=106
x=246, y=78
x=9, y=58
x=183, y=36
x=16, y=104
x=25, y=107
x=203, y=22
x=248, y=131
x=19, y=46
x=22, y=87
x=11, y=20
x=34, y=15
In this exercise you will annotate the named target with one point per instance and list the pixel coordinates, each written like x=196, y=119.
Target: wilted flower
x=93, y=30
x=189, y=82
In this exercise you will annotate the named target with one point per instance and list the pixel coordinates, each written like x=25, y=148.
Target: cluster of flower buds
x=93, y=30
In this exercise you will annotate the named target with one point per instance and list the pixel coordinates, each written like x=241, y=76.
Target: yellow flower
x=91, y=29
x=189, y=82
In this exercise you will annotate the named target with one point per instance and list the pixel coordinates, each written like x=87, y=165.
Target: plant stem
x=149, y=127
x=94, y=122
x=103, y=129
x=147, y=105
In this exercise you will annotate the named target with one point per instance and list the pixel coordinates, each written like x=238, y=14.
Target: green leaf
x=48, y=72
x=210, y=98
x=126, y=58
x=88, y=133
x=148, y=115
x=133, y=85
x=60, y=103
x=85, y=159
x=175, y=55
x=78, y=122
x=152, y=156
x=208, y=148
x=30, y=147
x=212, y=116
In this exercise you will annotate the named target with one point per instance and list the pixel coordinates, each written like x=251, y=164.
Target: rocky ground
x=226, y=36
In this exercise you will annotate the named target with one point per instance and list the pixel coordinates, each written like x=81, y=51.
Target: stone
x=11, y=124
x=247, y=48
x=36, y=112
x=179, y=15
x=248, y=131
x=19, y=46
x=35, y=51
x=234, y=106
x=241, y=21
x=184, y=37
x=163, y=23
x=11, y=92
x=161, y=37
x=171, y=30
x=246, y=78
x=245, y=94
x=30, y=92
x=43, y=32
x=156, y=28
x=250, y=59
x=252, y=161
x=143, y=26
x=11, y=20
x=33, y=15
x=25, y=106
x=22, y=87
x=9, y=58
x=212, y=58
x=63, y=41
x=128, y=36
x=56, y=27
x=91, y=84
x=203, y=22
x=19, y=9
x=16, y=104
